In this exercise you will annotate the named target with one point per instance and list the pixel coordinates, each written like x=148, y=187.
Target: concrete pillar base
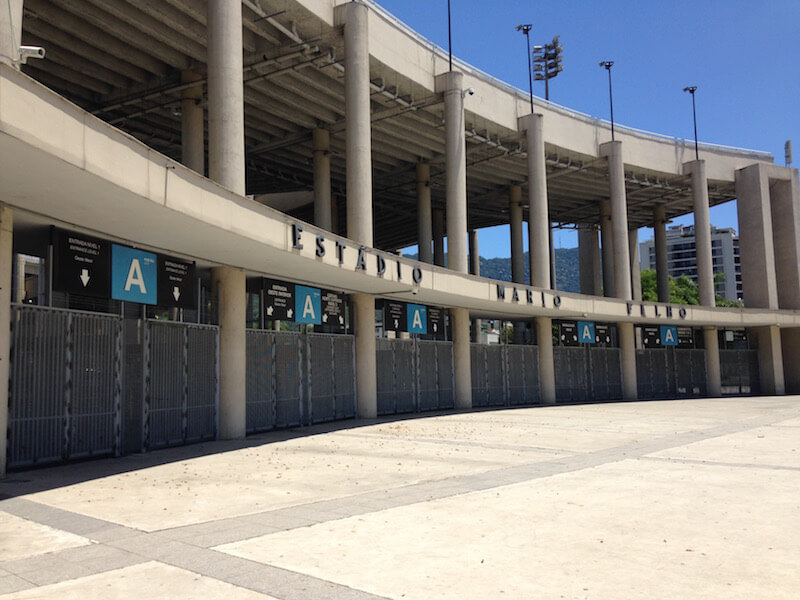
x=790, y=350
x=229, y=284
x=366, y=375
x=547, y=377
x=462, y=371
x=6, y=238
x=627, y=343
x=770, y=360
x=713, y=372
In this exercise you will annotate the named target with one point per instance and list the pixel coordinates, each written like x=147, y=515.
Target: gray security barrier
x=504, y=375
x=81, y=385
x=414, y=375
x=295, y=379
x=739, y=372
x=587, y=373
x=670, y=373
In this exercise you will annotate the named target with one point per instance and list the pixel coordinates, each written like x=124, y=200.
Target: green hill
x=567, y=272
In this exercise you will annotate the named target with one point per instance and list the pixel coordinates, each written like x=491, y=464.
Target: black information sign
x=651, y=337
x=176, y=283
x=278, y=300
x=602, y=334
x=333, y=309
x=685, y=337
x=394, y=316
x=436, y=323
x=568, y=334
x=82, y=264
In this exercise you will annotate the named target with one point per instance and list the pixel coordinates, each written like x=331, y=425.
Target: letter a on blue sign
x=417, y=318
x=134, y=275
x=586, y=332
x=307, y=305
x=669, y=335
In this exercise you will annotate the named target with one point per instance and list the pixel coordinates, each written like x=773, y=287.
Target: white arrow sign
x=270, y=311
x=85, y=277
x=289, y=313
x=176, y=293
x=341, y=320
x=435, y=327
x=325, y=318
x=396, y=323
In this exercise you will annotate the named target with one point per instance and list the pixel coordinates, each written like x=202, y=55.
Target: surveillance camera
x=26, y=52
x=470, y=91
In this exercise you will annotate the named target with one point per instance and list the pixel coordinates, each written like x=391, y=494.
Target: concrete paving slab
x=148, y=580
x=21, y=538
x=632, y=529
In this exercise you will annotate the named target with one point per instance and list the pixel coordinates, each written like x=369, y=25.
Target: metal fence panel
x=495, y=375
x=260, y=380
x=571, y=369
x=739, y=372
x=428, y=365
x=690, y=372
x=655, y=373
x=288, y=375
x=479, y=375
x=530, y=365
x=64, y=385
x=605, y=368
x=404, y=375
x=516, y=375
x=444, y=374
x=165, y=385
x=321, y=378
x=203, y=382
x=384, y=362
x=344, y=368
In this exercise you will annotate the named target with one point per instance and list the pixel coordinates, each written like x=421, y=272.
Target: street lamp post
x=692, y=89
x=526, y=29
x=607, y=64
x=449, y=35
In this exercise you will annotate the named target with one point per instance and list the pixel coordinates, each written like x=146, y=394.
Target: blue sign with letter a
x=417, y=318
x=307, y=305
x=134, y=275
x=586, y=332
x=669, y=335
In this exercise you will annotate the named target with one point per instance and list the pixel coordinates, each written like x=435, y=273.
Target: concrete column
x=6, y=238
x=10, y=32
x=589, y=260
x=660, y=242
x=538, y=219
x=636, y=271
x=451, y=85
x=193, y=126
x=321, y=144
x=517, y=251
x=790, y=351
x=366, y=375
x=461, y=357
x=438, y=237
x=770, y=360
x=229, y=286
x=358, y=140
x=424, y=216
x=702, y=231
x=627, y=345
x=225, y=95
x=619, y=219
x=607, y=238
x=19, y=278
x=553, y=281
x=547, y=374
x=713, y=371
x=475, y=269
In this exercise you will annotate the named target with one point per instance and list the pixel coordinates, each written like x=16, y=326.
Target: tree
x=649, y=285
x=683, y=290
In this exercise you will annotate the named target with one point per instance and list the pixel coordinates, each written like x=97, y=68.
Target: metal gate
x=295, y=379
x=504, y=375
x=180, y=383
x=571, y=367
x=739, y=372
x=66, y=394
x=605, y=373
x=414, y=375
x=670, y=372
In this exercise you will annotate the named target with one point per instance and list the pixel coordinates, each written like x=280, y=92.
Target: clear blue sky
x=743, y=56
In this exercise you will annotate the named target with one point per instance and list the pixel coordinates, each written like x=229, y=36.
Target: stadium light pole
x=607, y=64
x=692, y=89
x=526, y=29
x=449, y=35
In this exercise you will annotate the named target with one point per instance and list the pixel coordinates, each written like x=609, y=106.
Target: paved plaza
x=672, y=499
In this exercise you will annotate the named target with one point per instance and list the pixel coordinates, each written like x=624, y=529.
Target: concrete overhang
x=59, y=164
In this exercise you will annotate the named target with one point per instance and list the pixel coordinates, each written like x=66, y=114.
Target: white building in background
x=682, y=257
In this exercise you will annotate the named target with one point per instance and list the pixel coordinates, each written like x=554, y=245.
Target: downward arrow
x=396, y=323
x=435, y=328
x=341, y=320
x=176, y=293
x=289, y=313
x=85, y=277
x=325, y=318
x=270, y=310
